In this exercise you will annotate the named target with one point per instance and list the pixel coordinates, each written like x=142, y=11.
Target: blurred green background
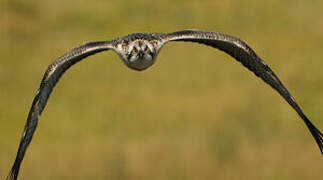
x=196, y=114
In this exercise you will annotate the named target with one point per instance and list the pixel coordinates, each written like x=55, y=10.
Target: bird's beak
x=141, y=54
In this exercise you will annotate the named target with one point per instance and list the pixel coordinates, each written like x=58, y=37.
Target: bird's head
x=139, y=54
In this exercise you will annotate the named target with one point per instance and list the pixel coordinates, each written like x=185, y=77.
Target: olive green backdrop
x=196, y=114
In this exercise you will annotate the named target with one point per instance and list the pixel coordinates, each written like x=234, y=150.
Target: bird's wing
x=248, y=58
x=51, y=77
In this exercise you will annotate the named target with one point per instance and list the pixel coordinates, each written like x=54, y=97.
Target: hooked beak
x=141, y=54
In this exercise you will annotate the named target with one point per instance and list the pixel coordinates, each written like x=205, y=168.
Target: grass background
x=196, y=114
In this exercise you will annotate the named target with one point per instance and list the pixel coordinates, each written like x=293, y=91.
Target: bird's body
x=139, y=51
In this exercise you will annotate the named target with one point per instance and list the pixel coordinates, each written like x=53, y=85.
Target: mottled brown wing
x=245, y=55
x=51, y=77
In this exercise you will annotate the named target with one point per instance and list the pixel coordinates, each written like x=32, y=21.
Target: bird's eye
x=147, y=50
x=134, y=50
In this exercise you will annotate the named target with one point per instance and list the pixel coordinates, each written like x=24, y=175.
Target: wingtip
x=12, y=175
x=14, y=171
x=318, y=136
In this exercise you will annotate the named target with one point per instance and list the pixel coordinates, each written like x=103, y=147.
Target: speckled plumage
x=139, y=51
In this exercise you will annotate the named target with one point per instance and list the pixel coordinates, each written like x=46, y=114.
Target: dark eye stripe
x=129, y=55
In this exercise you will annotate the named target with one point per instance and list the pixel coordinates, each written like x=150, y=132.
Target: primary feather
x=139, y=51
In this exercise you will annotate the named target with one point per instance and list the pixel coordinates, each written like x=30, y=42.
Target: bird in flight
x=139, y=51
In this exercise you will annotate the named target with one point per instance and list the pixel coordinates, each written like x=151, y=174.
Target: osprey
x=139, y=51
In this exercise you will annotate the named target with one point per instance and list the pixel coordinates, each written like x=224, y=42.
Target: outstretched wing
x=245, y=55
x=51, y=77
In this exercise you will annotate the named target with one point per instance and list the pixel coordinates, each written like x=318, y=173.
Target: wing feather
x=245, y=55
x=50, y=78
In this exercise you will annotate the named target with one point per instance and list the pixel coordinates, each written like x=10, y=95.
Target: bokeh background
x=196, y=114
